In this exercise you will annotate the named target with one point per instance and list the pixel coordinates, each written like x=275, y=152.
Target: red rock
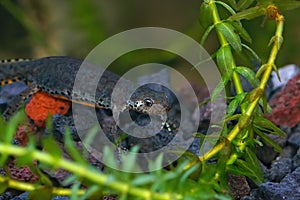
x=286, y=104
x=21, y=173
x=21, y=135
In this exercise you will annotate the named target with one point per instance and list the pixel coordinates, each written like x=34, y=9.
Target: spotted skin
x=56, y=76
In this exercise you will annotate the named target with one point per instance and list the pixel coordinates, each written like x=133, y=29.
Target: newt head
x=145, y=100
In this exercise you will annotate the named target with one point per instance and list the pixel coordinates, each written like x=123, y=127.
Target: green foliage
x=248, y=166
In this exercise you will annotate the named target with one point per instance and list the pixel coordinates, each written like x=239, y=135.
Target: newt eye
x=148, y=101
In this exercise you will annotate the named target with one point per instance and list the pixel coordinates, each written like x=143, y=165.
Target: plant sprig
x=242, y=135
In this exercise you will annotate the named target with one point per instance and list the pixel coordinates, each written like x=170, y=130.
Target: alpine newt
x=56, y=76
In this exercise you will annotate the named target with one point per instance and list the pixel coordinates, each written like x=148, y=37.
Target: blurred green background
x=34, y=28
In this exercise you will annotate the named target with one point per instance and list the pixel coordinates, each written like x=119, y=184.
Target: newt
x=56, y=76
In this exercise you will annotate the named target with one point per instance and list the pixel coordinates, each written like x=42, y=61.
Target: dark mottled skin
x=56, y=76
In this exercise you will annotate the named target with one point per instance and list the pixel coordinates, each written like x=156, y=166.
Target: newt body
x=56, y=76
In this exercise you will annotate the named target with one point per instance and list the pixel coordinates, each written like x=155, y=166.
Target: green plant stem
x=84, y=172
x=236, y=78
x=19, y=185
x=245, y=119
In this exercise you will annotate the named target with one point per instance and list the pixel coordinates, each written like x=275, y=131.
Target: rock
x=280, y=168
x=23, y=196
x=285, y=73
x=294, y=139
x=288, y=188
x=6, y=195
x=274, y=191
x=238, y=185
x=266, y=154
x=286, y=104
x=296, y=160
x=254, y=195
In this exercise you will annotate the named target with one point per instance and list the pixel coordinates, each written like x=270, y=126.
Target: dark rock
x=60, y=123
x=294, y=140
x=110, y=197
x=266, y=154
x=61, y=198
x=6, y=195
x=280, y=168
x=292, y=180
x=273, y=191
x=195, y=146
x=254, y=195
x=238, y=185
x=288, y=188
x=296, y=160
x=288, y=152
x=23, y=196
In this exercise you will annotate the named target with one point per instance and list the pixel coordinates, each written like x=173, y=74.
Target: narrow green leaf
x=72, y=150
x=91, y=193
x=226, y=6
x=70, y=180
x=206, y=33
x=143, y=180
x=193, y=173
x=3, y=187
x=221, y=85
x=75, y=188
x=268, y=140
x=244, y=4
x=249, y=13
x=110, y=161
x=276, y=71
x=235, y=103
x=249, y=167
x=232, y=3
x=205, y=15
x=43, y=193
x=261, y=70
x=27, y=159
x=264, y=103
x=231, y=36
x=241, y=31
x=248, y=74
x=224, y=60
x=51, y=146
x=251, y=158
x=260, y=122
x=12, y=126
x=253, y=55
x=242, y=169
x=130, y=164
x=233, y=117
